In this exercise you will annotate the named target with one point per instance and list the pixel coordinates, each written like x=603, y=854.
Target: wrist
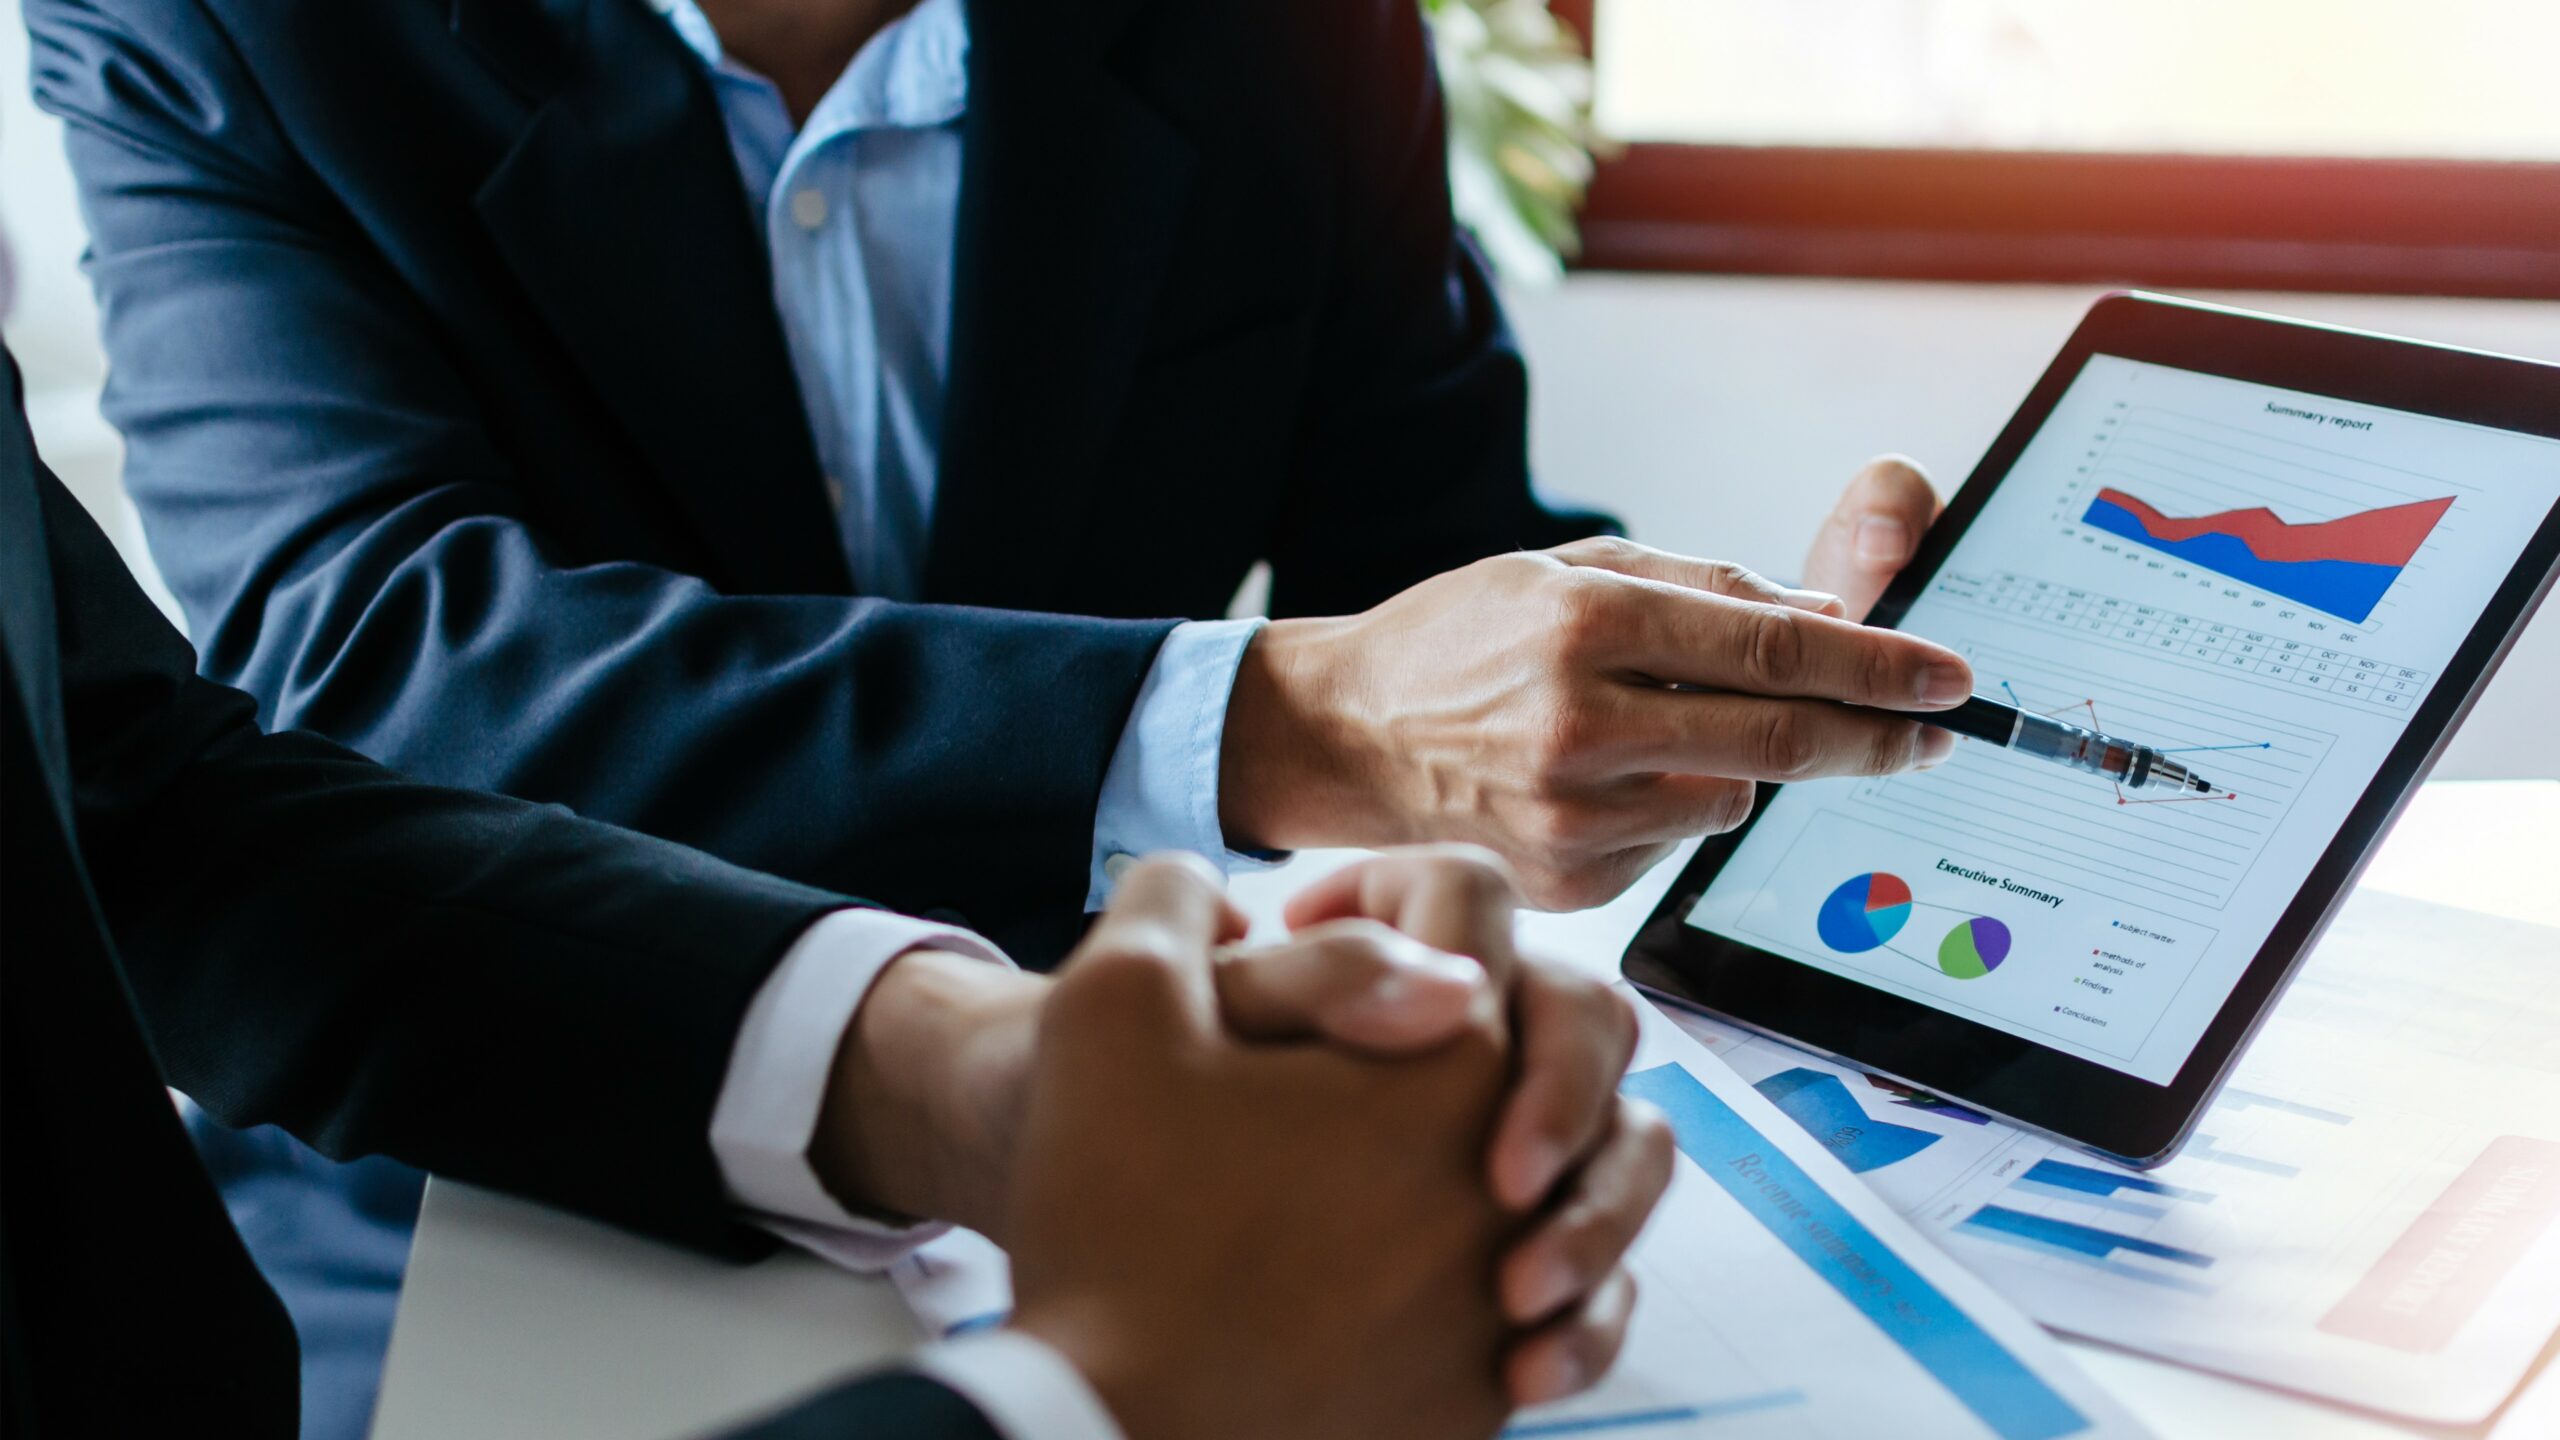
x=1300, y=762
x=925, y=1094
x=1113, y=1364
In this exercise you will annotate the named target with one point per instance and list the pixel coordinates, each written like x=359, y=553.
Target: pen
x=2130, y=765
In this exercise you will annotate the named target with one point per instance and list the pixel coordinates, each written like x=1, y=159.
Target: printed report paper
x=2370, y=1211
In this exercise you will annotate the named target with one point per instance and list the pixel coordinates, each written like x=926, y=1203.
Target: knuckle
x=1884, y=671
x=1732, y=806
x=1162, y=882
x=1586, y=611
x=1773, y=644
x=1729, y=578
x=1132, y=949
x=1352, y=949
x=1570, y=731
x=1893, y=748
x=1784, y=746
x=1116, y=983
x=1602, y=549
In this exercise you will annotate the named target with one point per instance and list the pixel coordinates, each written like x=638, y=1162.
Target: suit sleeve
x=482, y=987
x=1414, y=459
x=354, y=547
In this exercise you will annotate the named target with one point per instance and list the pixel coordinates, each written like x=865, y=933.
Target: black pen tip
x=2198, y=783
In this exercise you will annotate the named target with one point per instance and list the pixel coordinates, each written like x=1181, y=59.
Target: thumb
x=1872, y=533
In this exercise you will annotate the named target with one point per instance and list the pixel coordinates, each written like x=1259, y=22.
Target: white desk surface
x=520, y=1321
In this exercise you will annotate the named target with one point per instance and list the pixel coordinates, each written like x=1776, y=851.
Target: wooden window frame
x=2186, y=221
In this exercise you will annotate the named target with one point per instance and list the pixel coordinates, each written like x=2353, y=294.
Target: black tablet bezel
x=2079, y=1101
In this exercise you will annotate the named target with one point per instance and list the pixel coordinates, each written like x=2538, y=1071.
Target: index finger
x=1170, y=914
x=1722, y=643
x=1454, y=898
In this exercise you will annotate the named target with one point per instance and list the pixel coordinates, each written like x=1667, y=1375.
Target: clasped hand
x=1372, y=1180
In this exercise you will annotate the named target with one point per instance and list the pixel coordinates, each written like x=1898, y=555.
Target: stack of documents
x=2366, y=1213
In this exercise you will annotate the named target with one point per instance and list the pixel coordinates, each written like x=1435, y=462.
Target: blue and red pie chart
x=1866, y=911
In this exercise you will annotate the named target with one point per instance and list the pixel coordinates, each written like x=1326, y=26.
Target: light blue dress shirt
x=859, y=210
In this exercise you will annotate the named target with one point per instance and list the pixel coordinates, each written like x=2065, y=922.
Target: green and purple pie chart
x=1974, y=949
x=1864, y=912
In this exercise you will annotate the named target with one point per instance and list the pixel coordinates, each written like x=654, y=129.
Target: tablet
x=2289, y=555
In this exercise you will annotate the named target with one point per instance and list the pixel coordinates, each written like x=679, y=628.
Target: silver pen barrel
x=2133, y=766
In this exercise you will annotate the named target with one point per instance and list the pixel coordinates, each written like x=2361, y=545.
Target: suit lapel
x=1068, y=204
x=26, y=597
x=619, y=207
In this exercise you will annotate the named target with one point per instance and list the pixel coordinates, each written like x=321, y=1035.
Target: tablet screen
x=2262, y=582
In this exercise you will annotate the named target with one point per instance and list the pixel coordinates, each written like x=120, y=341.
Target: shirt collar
x=914, y=74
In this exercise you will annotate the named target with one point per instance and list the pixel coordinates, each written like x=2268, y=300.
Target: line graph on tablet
x=2341, y=567
x=2249, y=516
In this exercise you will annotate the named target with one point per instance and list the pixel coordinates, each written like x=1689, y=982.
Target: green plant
x=1521, y=136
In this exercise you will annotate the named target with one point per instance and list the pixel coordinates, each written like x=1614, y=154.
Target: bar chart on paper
x=1780, y=1298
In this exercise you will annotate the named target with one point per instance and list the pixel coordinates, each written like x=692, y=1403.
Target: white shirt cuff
x=1025, y=1389
x=1161, y=792
x=777, y=1081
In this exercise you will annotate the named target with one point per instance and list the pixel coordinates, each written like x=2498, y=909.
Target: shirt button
x=1115, y=867
x=835, y=493
x=808, y=208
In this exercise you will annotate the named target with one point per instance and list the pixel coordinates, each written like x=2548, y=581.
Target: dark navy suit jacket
x=293, y=934
x=462, y=424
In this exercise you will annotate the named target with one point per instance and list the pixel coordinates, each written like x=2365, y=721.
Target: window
x=2354, y=144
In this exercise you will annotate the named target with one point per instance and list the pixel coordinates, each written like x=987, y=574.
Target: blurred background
x=1821, y=229
x=2443, y=79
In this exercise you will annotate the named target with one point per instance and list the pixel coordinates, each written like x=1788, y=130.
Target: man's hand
x=1872, y=533
x=1586, y=1164
x=926, y=1096
x=1525, y=703
x=1389, y=957
x=1253, y=1240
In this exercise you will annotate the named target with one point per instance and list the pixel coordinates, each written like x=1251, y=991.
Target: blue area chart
x=1864, y=912
x=1830, y=1114
x=2341, y=566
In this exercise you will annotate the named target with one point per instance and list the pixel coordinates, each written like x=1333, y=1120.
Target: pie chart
x=1974, y=949
x=1866, y=911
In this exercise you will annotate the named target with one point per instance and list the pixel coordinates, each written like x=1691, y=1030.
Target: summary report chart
x=2264, y=584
